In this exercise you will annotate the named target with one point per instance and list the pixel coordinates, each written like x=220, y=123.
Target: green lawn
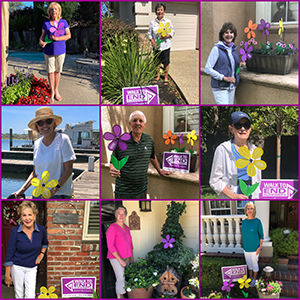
x=207, y=192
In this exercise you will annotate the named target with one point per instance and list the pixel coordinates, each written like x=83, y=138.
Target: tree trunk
x=278, y=159
x=4, y=40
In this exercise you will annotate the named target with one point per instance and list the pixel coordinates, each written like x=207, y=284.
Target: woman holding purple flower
x=55, y=33
x=222, y=65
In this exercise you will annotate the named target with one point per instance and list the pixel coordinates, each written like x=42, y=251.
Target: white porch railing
x=215, y=238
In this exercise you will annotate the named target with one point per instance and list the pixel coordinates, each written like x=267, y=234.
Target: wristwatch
x=58, y=187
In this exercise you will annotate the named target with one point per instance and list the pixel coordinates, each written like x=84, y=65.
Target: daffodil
x=281, y=28
x=251, y=161
x=192, y=137
x=244, y=282
x=43, y=185
x=164, y=29
x=45, y=294
x=102, y=63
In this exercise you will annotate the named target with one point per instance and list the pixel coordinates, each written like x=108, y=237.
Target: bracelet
x=42, y=252
x=260, y=247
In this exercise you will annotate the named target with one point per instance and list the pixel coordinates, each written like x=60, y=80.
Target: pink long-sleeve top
x=119, y=239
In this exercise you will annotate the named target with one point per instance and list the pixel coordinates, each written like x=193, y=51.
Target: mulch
x=235, y=293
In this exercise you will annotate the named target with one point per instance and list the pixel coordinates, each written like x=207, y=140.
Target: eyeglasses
x=41, y=122
x=239, y=125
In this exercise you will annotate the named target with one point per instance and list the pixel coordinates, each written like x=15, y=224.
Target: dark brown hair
x=224, y=28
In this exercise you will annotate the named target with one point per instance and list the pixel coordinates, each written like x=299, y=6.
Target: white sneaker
x=253, y=283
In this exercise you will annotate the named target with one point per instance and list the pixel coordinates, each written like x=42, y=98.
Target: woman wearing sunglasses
x=224, y=176
x=52, y=152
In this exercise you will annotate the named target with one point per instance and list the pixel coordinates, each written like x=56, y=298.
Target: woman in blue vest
x=222, y=64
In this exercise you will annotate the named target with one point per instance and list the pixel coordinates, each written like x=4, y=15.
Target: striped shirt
x=134, y=180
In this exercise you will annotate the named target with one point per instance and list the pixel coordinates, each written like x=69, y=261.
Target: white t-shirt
x=51, y=159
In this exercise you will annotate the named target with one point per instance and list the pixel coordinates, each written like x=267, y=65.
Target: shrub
x=125, y=65
x=211, y=272
x=284, y=243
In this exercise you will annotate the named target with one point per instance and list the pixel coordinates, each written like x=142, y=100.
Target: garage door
x=184, y=17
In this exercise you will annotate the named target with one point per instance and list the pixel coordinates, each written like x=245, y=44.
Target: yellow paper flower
x=42, y=185
x=45, y=294
x=192, y=137
x=251, y=161
x=281, y=28
x=244, y=282
x=164, y=29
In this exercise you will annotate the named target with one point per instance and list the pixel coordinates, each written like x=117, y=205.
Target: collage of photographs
x=193, y=101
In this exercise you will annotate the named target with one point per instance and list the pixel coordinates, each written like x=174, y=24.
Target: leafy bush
x=284, y=243
x=112, y=28
x=125, y=65
x=140, y=274
x=211, y=272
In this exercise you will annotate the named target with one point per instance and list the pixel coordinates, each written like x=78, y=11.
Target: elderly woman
x=165, y=35
x=26, y=249
x=119, y=243
x=55, y=33
x=224, y=176
x=53, y=153
x=222, y=65
x=253, y=237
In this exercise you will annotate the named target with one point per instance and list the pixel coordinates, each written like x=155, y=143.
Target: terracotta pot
x=273, y=64
x=191, y=287
x=141, y=293
x=266, y=295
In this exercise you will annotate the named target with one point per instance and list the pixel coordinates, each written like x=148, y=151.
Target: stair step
x=290, y=289
x=287, y=276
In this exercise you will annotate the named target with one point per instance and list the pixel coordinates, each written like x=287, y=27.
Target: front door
x=289, y=214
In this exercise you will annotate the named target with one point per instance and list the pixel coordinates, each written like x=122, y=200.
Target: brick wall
x=68, y=255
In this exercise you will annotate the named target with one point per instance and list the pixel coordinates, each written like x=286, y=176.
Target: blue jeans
x=224, y=96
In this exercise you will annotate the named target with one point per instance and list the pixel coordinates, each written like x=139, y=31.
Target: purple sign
x=176, y=162
x=141, y=95
x=74, y=287
x=278, y=189
x=235, y=272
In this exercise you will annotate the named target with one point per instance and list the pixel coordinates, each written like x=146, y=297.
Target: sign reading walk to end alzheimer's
x=141, y=95
x=273, y=189
x=78, y=287
x=177, y=162
x=235, y=272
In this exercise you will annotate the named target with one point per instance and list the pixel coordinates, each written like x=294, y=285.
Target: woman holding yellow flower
x=160, y=33
x=53, y=157
x=229, y=165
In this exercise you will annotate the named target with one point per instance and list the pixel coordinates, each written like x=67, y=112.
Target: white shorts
x=251, y=260
x=55, y=62
x=23, y=277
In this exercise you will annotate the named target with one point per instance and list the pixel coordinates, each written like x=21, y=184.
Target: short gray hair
x=137, y=112
x=121, y=207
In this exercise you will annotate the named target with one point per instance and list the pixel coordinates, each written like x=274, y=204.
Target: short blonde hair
x=27, y=204
x=254, y=208
x=50, y=6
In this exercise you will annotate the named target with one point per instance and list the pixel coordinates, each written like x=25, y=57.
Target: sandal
x=58, y=98
x=166, y=82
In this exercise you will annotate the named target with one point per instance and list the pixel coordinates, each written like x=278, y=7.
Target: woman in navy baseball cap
x=224, y=176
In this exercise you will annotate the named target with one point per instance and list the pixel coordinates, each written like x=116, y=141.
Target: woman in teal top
x=253, y=237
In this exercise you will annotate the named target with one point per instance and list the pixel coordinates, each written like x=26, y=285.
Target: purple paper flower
x=246, y=53
x=264, y=26
x=227, y=286
x=117, y=139
x=57, y=29
x=180, y=136
x=168, y=242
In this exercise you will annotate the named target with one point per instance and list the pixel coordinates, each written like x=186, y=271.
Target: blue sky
x=28, y=3
x=18, y=117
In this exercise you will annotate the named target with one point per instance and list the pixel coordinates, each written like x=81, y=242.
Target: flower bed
x=24, y=88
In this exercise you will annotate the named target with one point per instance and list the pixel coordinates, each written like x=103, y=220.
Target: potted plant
x=268, y=288
x=140, y=279
x=274, y=59
x=189, y=292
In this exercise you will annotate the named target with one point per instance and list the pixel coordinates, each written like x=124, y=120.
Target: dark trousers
x=143, y=195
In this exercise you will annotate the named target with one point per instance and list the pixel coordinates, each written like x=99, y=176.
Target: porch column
x=263, y=213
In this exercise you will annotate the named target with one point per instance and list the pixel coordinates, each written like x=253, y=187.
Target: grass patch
x=208, y=193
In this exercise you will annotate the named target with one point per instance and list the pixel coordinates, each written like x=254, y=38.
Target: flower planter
x=266, y=295
x=141, y=293
x=191, y=287
x=273, y=64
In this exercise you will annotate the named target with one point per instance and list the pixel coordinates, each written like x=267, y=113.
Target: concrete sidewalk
x=184, y=69
x=71, y=89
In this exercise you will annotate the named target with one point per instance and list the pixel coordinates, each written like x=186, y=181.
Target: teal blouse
x=252, y=232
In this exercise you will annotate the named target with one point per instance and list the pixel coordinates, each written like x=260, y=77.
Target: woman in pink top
x=119, y=243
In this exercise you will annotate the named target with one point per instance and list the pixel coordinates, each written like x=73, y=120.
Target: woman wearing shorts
x=55, y=33
x=163, y=49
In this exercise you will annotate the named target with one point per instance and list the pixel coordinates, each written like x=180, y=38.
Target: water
x=16, y=143
x=11, y=182
x=32, y=56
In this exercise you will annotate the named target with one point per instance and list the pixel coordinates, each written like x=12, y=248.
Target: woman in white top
x=53, y=153
x=224, y=176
